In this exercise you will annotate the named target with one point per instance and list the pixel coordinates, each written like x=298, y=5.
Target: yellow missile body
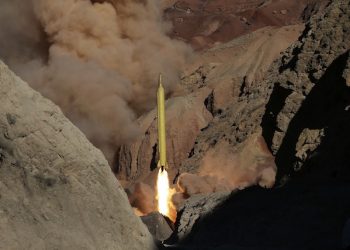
x=161, y=126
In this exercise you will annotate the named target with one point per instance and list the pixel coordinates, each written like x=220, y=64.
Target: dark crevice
x=273, y=107
x=209, y=103
x=191, y=153
x=153, y=164
x=241, y=89
x=213, y=142
x=176, y=177
x=291, y=64
x=116, y=168
x=324, y=108
x=311, y=76
x=205, y=128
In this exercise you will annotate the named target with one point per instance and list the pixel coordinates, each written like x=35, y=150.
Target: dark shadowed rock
x=306, y=122
x=302, y=105
x=346, y=235
x=303, y=108
x=196, y=208
x=158, y=225
x=296, y=216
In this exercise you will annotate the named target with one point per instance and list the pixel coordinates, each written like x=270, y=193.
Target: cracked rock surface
x=56, y=190
x=301, y=105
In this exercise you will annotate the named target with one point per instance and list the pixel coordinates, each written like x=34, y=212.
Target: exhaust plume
x=142, y=198
x=225, y=168
x=98, y=60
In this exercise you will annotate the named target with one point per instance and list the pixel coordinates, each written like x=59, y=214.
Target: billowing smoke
x=247, y=164
x=142, y=197
x=223, y=168
x=98, y=61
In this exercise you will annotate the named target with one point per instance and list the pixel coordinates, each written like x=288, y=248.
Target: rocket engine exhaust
x=163, y=193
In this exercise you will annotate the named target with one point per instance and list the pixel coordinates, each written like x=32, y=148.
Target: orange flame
x=163, y=192
x=164, y=195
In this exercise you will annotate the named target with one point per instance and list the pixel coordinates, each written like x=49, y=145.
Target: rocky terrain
x=257, y=131
x=204, y=24
x=300, y=106
x=303, y=99
x=56, y=190
x=209, y=85
x=302, y=110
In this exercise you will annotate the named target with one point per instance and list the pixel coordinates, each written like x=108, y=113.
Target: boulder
x=56, y=190
x=194, y=209
x=158, y=225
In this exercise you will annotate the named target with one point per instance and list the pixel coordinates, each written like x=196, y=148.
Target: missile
x=161, y=126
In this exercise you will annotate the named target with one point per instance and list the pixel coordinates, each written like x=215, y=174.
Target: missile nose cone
x=160, y=81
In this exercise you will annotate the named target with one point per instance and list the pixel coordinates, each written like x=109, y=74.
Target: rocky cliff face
x=209, y=86
x=56, y=189
x=302, y=105
x=307, y=116
x=302, y=109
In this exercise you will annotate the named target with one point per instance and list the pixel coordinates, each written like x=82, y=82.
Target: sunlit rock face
x=57, y=190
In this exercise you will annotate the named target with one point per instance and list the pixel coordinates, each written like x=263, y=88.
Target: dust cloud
x=225, y=168
x=142, y=198
x=98, y=60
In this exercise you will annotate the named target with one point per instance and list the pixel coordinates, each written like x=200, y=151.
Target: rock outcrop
x=302, y=105
x=159, y=226
x=56, y=189
x=194, y=210
x=302, y=109
x=212, y=82
x=306, y=119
